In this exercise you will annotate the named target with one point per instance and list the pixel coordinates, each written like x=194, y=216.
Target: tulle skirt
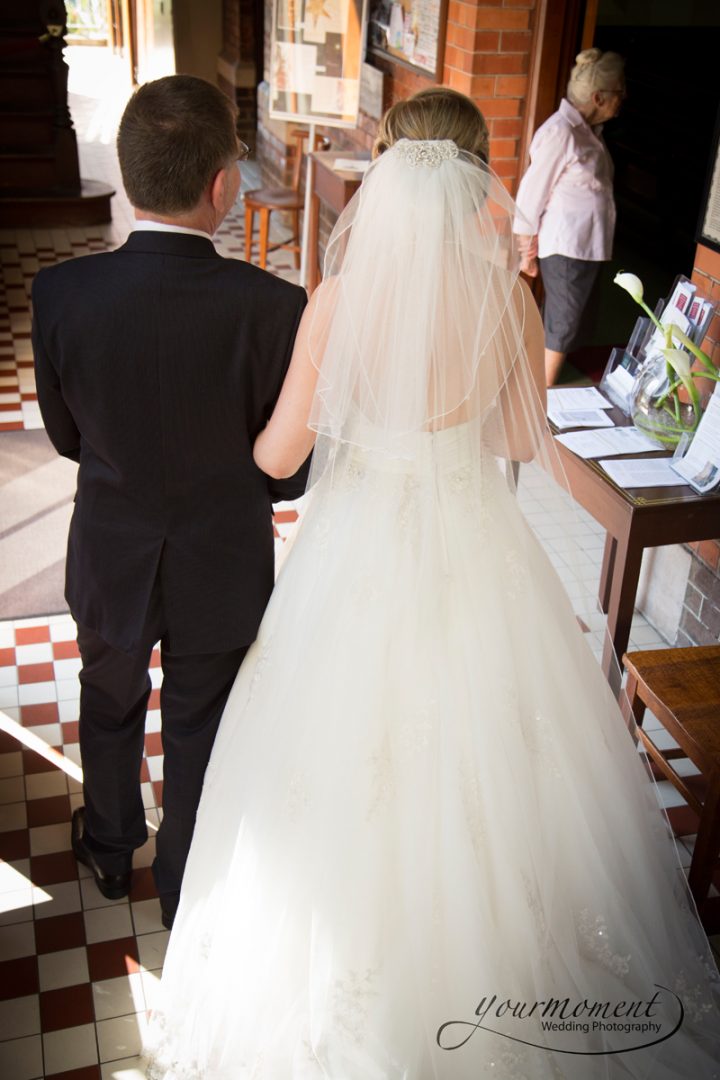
x=427, y=848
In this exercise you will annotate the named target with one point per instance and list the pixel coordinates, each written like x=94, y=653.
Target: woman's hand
x=528, y=248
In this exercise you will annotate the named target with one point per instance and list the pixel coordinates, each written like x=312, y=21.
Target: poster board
x=411, y=32
x=316, y=57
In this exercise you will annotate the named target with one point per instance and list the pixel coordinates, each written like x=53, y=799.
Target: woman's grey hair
x=594, y=70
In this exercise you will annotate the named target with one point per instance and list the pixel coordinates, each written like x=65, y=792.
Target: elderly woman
x=566, y=209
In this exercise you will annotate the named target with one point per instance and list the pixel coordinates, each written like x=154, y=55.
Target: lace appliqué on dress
x=472, y=805
x=696, y=999
x=409, y=504
x=509, y=1064
x=532, y=897
x=350, y=1000
x=428, y=153
x=517, y=578
x=158, y=1059
x=298, y=796
x=415, y=733
x=594, y=933
x=353, y=476
x=382, y=779
x=260, y=664
x=540, y=741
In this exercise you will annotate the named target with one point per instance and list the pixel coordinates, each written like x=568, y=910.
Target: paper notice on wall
x=425, y=18
x=294, y=68
x=323, y=17
x=334, y=96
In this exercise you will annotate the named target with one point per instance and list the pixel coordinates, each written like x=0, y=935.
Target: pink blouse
x=565, y=197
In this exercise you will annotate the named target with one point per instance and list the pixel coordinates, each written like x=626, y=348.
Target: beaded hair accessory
x=429, y=153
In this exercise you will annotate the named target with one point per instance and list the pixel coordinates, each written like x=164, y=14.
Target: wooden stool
x=290, y=200
x=682, y=688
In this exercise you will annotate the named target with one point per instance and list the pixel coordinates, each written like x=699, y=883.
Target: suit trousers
x=115, y=688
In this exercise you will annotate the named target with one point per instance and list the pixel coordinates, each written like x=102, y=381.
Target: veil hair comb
x=426, y=152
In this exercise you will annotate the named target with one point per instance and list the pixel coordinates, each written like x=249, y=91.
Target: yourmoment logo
x=637, y=1024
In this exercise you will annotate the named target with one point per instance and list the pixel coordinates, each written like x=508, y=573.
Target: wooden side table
x=335, y=188
x=634, y=520
x=682, y=688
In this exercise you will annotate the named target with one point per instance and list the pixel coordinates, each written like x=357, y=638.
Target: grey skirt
x=568, y=284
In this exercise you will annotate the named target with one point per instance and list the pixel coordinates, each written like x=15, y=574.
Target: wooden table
x=333, y=187
x=634, y=520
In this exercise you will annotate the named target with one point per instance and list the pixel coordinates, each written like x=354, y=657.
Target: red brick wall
x=700, y=622
x=487, y=56
x=706, y=275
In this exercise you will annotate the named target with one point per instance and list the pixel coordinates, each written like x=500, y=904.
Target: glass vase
x=656, y=410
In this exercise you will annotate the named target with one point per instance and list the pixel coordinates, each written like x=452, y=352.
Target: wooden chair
x=682, y=688
x=289, y=200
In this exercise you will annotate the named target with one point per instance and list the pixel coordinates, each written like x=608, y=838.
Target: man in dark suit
x=157, y=365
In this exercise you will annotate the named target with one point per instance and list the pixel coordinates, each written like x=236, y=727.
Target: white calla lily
x=631, y=283
x=679, y=361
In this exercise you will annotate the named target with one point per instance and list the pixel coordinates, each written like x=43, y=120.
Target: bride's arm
x=522, y=403
x=285, y=442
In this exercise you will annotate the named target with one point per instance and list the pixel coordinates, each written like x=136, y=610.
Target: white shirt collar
x=570, y=113
x=162, y=226
x=575, y=118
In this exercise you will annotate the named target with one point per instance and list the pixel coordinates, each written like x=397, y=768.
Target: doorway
x=660, y=144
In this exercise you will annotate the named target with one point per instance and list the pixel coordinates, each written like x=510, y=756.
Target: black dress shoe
x=112, y=886
x=167, y=917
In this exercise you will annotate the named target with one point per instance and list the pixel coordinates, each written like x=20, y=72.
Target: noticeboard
x=411, y=32
x=316, y=61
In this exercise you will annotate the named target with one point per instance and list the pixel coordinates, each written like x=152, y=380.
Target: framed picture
x=316, y=61
x=411, y=32
x=709, y=221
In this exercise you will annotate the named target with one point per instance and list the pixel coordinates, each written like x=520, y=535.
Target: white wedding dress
x=423, y=794
x=423, y=804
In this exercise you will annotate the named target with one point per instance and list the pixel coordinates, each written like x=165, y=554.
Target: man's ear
x=218, y=190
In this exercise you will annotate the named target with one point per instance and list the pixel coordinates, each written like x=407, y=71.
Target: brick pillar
x=487, y=57
x=700, y=620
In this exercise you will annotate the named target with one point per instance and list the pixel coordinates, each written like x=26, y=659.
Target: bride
x=427, y=848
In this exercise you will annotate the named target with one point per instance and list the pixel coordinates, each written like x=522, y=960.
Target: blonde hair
x=436, y=113
x=594, y=70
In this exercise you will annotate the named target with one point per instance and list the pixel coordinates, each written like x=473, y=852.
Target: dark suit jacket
x=157, y=365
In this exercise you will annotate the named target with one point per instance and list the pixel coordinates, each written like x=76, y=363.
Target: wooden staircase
x=40, y=182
